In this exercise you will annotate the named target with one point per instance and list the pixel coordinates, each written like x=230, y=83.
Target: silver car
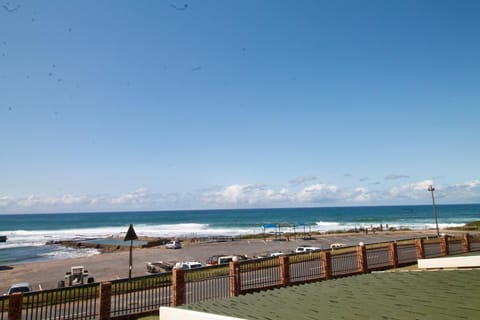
x=173, y=245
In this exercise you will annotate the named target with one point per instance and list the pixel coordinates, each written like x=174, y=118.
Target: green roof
x=387, y=295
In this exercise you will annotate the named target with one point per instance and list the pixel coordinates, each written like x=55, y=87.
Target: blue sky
x=155, y=105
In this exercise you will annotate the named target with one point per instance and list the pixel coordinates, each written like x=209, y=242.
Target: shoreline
x=115, y=265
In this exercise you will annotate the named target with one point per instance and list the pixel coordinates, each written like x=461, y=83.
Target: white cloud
x=318, y=193
x=136, y=197
x=246, y=196
x=33, y=203
x=413, y=191
x=260, y=195
x=464, y=192
x=361, y=195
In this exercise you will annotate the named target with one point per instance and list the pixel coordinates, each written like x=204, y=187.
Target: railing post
x=15, y=301
x=393, y=254
x=466, y=243
x=178, y=287
x=327, y=264
x=105, y=300
x=444, y=246
x=362, y=259
x=284, y=271
x=234, y=278
x=420, y=249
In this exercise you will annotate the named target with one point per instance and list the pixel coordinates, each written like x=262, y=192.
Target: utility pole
x=431, y=189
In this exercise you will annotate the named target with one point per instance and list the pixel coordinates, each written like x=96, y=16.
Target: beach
x=115, y=265
x=34, y=252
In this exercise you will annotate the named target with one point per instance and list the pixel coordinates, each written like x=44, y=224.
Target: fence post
x=393, y=254
x=15, y=301
x=466, y=243
x=327, y=264
x=362, y=258
x=178, y=287
x=420, y=248
x=234, y=278
x=284, y=271
x=105, y=300
x=444, y=246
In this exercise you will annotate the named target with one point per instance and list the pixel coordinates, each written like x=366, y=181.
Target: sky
x=166, y=105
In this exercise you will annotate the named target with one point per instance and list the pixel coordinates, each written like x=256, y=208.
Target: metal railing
x=259, y=273
x=344, y=264
x=208, y=283
x=306, y=267
x=475, y=244
x=140, y=294
x=65, y=303
x=378, y=258
x=455, y=246
x=3, y=308
x=432, y=250
x=407, y=254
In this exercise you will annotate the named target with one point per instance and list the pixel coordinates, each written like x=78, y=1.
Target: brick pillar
x=15, y=301
x=284, y=271
x=466, y=243
x=234, y=278
x=393, y=254
x=105, y=300
x=178, y=287
x=420, y=249
x=444, y=245
x=327, y=264
x=362, y=259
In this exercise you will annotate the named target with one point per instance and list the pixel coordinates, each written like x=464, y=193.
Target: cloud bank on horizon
x=240, y=196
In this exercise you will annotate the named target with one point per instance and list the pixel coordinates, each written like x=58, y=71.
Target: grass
x=149, y=318
x=471, y=226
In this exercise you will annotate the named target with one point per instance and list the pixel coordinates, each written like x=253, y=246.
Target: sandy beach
x=115, y=265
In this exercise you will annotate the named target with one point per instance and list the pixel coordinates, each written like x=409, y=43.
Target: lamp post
x=431, y=189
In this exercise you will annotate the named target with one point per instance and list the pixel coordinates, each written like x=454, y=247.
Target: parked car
x=219, y=259
x=276, y=254
x=173, y=245
x=188, y=265
x=337, y=245
x=23, y=287
x=307, y=249
x=159, y=266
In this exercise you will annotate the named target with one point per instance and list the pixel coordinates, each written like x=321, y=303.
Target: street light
x=431, y=189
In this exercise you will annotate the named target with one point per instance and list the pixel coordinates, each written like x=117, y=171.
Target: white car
x=188, y=265
x=23, y=287
x=337, y=245
x=307, y=249
x=173, y=245
x=276, y=254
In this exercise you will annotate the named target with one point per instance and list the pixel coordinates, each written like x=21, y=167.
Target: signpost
x=131, y=235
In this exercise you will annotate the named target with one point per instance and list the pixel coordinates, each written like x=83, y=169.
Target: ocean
x=28, y=233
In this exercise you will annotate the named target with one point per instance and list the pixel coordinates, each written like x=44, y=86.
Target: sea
x=28, y=234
